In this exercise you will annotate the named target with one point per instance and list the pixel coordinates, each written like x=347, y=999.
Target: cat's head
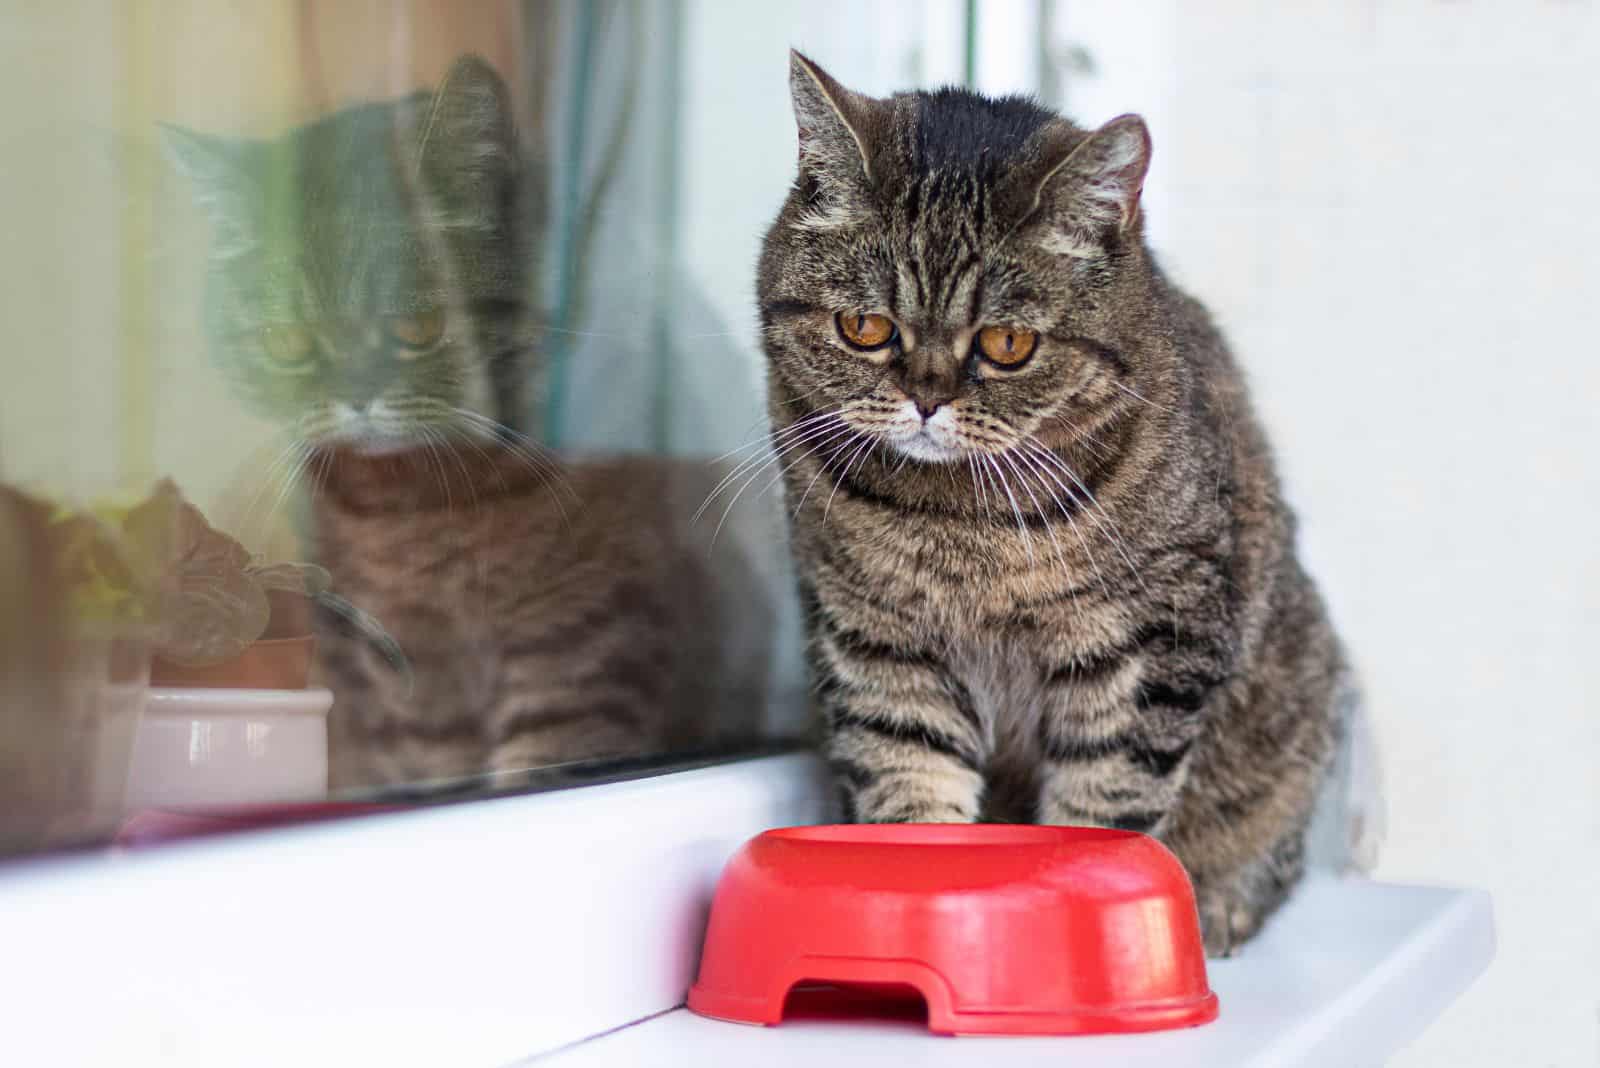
x=947, y=268
x=367, y=282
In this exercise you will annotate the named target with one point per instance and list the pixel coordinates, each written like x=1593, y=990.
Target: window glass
x=384, y=416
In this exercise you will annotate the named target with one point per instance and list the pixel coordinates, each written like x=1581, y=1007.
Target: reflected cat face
x=367, y=280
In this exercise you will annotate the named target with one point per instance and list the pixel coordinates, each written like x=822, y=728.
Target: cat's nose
x=928, y=397
x=928, y=380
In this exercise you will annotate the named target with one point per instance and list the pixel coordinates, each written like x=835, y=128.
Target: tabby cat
x=369, y=288
x=1047, y=569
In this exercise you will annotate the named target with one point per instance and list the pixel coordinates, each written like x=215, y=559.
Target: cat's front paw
x=917, y=814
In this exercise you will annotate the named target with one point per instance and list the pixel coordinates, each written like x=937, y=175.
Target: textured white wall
x=1390, y=209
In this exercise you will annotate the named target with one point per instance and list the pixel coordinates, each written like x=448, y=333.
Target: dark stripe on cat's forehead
x=958, y=129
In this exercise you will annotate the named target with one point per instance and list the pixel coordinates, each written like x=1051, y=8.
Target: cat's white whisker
x=1016, y=509
x=1095, y=512
x=1048, y=459
x=972, y=476
x=529, y=453
x=448, y=449
x=1038, y=509
x=466, y=439
x=1130, y=391
x=289, y=481
x=772, y=439
x=980, y=485
x=865, y=448
x=807, y=452
x=444, y=478
x=293, y=449
x=822, y=466
x=1072, y=592
x=776, y=457
x=1071, y=523
x=761, y=442
x=785, y=441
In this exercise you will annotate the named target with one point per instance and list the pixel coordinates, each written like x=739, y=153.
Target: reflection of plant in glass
x=212, y=595
x=156, y=568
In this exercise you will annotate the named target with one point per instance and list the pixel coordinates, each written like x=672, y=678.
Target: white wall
x=1390, y=208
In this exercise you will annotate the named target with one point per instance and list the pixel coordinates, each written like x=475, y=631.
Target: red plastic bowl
x=1001, y=929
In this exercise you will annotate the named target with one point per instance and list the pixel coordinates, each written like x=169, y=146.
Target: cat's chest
x=970, y=583
x=425, y=579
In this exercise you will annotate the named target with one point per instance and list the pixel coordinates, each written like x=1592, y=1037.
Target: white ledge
x=490, y=932
x=460, y=935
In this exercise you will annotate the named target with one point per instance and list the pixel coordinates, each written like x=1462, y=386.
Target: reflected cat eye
x=416, y=332
x=862, y=330
x=1006, y=346
x=287, y=344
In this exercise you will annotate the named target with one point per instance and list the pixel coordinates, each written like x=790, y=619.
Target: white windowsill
x=456, y=936
x=487, y=933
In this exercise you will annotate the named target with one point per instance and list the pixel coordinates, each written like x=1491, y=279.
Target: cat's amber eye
x=416, y=332
x=287, y=344
x=1006, y=346
x=865, y=331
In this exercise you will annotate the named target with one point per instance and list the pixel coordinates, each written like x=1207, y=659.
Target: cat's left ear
x=1089, y=195
x=471, y=118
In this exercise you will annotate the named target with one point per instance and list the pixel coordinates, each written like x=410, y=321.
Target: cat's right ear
x=205, y=159
x=837, y=130
x=216, y=165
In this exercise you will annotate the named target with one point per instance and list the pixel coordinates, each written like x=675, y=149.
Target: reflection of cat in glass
x=369, y=285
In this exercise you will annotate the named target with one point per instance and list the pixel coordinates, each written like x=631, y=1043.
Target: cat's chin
x=924, y=450
x=373, y=445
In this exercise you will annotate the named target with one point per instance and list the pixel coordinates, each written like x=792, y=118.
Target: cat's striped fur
x=548, y=617
x=1070, y=594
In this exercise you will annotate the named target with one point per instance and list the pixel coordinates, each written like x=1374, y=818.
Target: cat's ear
x=1089, y=194
x=470, y=116
x=219, y=167
x=226, y=174
x=837, y=129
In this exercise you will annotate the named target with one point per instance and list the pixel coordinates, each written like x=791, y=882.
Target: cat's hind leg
x=1233, y=907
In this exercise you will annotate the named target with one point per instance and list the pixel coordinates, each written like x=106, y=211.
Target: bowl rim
x=947, y=835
